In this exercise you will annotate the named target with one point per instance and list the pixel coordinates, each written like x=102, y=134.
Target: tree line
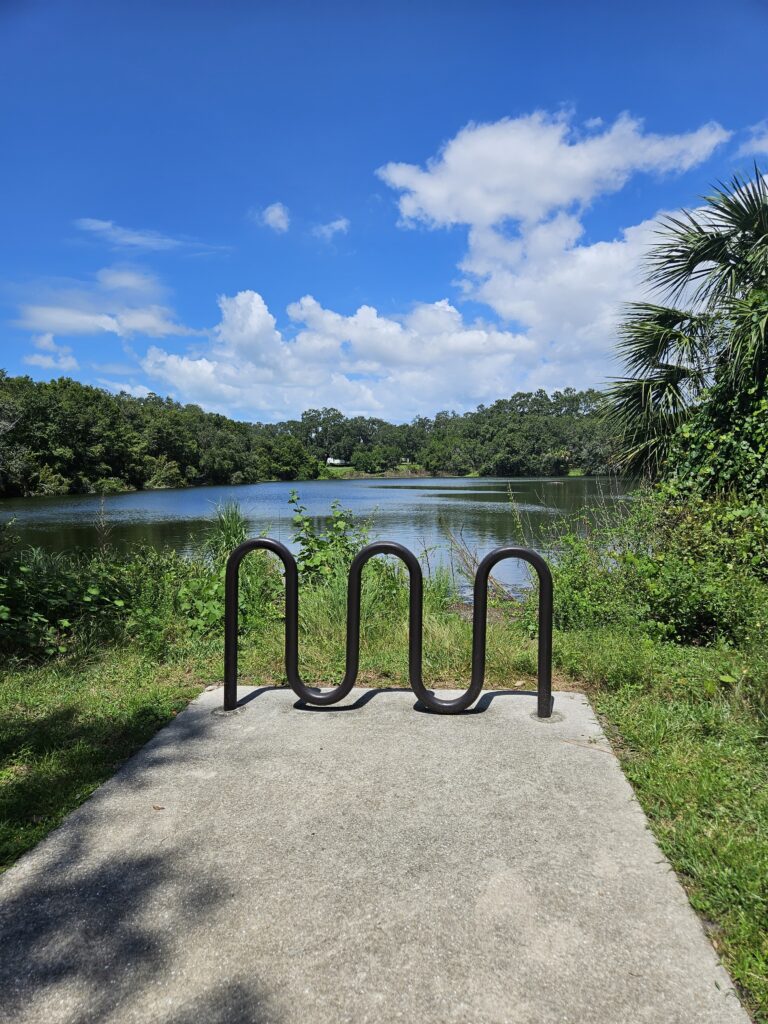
x=64, y=437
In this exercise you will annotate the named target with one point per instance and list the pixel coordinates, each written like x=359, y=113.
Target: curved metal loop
x=302, y=691
x=416, y=595
x=544, y=659
x=479, y=633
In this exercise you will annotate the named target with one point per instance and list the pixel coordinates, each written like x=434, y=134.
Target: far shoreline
x=340, y=473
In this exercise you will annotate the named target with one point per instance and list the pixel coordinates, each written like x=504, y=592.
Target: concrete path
x=362, y=864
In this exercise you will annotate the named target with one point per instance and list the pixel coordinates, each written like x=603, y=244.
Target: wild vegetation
x=661, y=613
x=63, y=437
x=698, y=370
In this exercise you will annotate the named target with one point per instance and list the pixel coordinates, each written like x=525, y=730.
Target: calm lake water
x=418, y=513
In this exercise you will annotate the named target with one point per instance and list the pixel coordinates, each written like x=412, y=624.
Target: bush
x=688, y=572
x=50, y=482
x=51, y=602
x=111, y=485
x=327, y=553
x=45, y=598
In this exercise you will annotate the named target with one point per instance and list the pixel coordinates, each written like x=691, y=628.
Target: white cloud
x=127, y=238
x=50, y=355
x=522, y=187
x=117, y=302
x=364, y=363
x=155, y=321
x=128, y=279
x=566, y=296
x=340, y=226
x=757, y=143
x=527, y=167
x=274, y=216
x=46, y=343
x=137, y=390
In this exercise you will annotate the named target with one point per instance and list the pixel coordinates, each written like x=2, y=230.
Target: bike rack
x=426, y=697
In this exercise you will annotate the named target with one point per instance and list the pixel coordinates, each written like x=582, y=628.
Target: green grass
x=699, y=770
x=687, y=725
x=65, y=727
x=693, y=746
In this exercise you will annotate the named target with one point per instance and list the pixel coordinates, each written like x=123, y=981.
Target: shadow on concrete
x=66, y=755
x=356, y=704
x=94, y=937
x=257, y=693
x=481, y=706
x=234, y=1002
x=483, y=703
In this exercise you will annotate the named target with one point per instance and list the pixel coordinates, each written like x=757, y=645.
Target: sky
x=389, y=208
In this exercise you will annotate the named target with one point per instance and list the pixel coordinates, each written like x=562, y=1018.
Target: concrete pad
x=360, y=863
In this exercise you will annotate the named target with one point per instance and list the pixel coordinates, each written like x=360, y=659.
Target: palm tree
x=712, y=263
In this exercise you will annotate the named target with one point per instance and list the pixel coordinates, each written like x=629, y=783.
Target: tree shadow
x=95, y=934
x=56, y=760
x=233, y=1002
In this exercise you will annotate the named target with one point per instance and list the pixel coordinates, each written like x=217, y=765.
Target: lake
x=416, y=512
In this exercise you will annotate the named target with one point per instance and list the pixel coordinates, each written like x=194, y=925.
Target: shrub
x=45, y=598
x=111, y=485
x=687, y=572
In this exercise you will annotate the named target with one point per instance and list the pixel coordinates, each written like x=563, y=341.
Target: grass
x=694, y=750
x=700, y=772
x=64, y=729
x=688, y=723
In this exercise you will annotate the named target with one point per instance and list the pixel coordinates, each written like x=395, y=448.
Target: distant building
x=335, y=462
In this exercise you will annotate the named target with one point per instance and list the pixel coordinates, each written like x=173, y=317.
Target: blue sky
x=390, y=208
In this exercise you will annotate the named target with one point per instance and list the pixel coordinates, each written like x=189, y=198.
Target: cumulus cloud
x=340, y=226
x=364, y=363
x=566, y=295
x=50, y=355
x=527, y=167
x=522, y=187
x=275, y=216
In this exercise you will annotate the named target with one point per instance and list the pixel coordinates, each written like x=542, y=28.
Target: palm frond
x=646, y=412
x=743, y=360
x=741, y=206
x=718, y=250
x=712, y=264
x=651, y=335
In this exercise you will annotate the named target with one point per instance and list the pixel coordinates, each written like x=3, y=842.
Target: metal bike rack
x=426, y=697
